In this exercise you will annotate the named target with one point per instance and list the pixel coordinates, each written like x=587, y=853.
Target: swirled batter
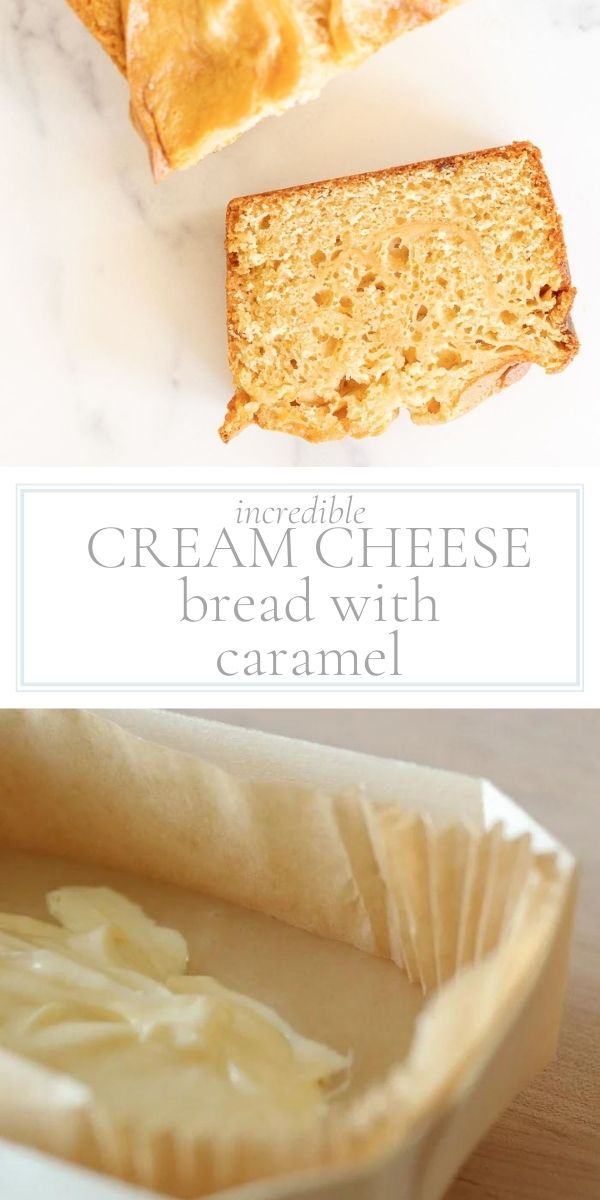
x=102, y=994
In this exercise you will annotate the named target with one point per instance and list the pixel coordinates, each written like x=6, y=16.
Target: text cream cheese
x=103, y=995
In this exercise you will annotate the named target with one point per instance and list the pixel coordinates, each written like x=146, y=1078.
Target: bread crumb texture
x=201, y=73
x=425, y=288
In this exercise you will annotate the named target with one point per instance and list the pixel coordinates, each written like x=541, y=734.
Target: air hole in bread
x=323, y=298
x=398, y=254
x=351, y=387
x=448, y=359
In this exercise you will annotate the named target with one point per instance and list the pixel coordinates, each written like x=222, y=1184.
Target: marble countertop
x=112, y=307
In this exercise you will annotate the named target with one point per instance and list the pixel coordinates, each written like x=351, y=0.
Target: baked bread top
x=425, y=288
x=201, y=73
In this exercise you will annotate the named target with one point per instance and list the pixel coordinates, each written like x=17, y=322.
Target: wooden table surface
x=547, y=1145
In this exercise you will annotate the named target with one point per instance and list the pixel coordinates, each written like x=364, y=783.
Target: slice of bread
x=425, y=288
x=201, y=74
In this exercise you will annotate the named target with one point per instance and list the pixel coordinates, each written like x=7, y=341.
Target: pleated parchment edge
x=469, y=915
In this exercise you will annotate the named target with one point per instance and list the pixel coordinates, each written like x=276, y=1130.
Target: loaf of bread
x=201, y=73
x=424, y=288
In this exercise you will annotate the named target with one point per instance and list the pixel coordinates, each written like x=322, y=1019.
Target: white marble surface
x=113, y=348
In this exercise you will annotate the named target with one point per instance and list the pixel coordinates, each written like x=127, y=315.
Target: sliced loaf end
x=425, y=288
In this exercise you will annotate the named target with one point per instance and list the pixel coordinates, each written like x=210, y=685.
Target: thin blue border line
x=577, y=490
x=20, y=546
x=241, y=689
x=579, y=577
x=576, y=685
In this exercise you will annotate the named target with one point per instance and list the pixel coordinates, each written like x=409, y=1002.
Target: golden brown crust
x=179, y=60
x=449, y=162
x=242, y=412
x=104, y=19
x=238, y=416
x=194, y=81
x=561, y=315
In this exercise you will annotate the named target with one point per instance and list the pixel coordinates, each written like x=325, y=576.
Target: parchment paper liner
x=435, y=898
